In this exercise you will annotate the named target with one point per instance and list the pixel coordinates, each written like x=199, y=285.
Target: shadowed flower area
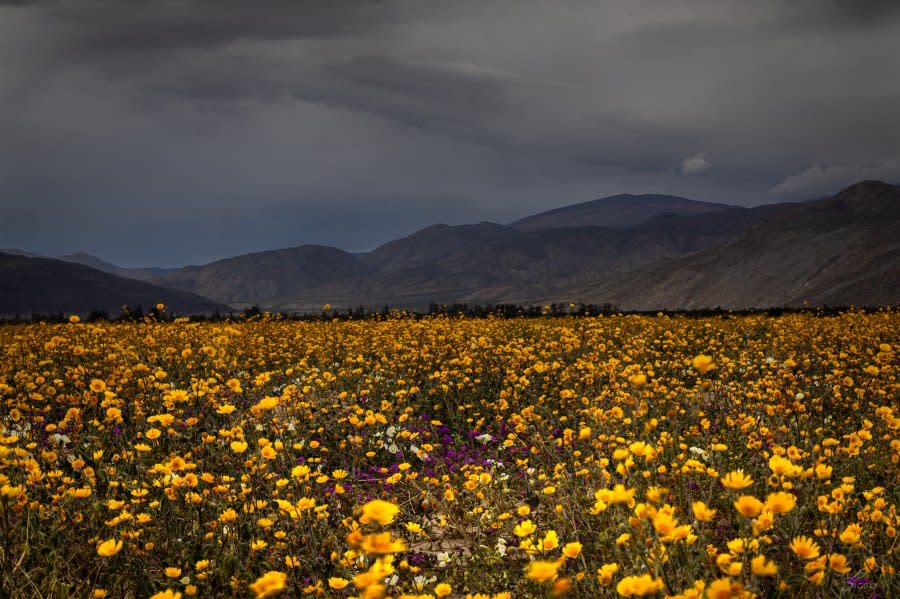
x=403, y=456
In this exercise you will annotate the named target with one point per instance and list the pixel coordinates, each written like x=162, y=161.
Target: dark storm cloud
x=228, y=126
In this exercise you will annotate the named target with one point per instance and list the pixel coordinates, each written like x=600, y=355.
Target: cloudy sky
x=181, y=131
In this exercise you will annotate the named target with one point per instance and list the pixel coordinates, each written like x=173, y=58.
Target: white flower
x=443, y=558
x=485, y=438
x=700, y=452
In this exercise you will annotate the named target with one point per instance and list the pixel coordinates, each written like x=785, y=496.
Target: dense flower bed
x=608, y=456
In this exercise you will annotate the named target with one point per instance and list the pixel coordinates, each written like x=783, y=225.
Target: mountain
x=265, y=278
x=141, y=274
x=840, y=251
x=44, y=285
x=492, y=263
x=651, y=252
x=622, y=210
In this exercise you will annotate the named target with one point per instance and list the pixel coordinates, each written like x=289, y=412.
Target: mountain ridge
x=681, y=254
x=46, y=285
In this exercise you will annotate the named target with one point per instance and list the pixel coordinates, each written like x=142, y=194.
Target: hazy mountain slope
x=622, y=210
x=488, y=262
x=839, y=251
x=141, y=274
x=266, y=278
x=45, y=285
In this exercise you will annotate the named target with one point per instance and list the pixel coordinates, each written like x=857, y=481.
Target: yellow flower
x=238, y=446
x=550, y=541
x=380, y=511
x=109, y=548
x=606, y=572
x=229, y=515
x=268, y=452
x=525, y=528
x=572, y=550
x=703, y=363
x=167, y=594
x=292, y=561
x=12, y=491
x=337, y=583
x=823, y=471
x=542, y=571
x=226, y=409
x=838, y=563
x=780, y=502
x=153, y=433
x=760, y=566
x=269, y=584
x=851, y=534
x=561, y=587
x=804, y=547
x=736, y=480
x=442, y=589
x=381, y=543
x=782, y=466
x=722, y=589
x=702, y=513
x=98, y=386
x=748, y=506
x=173, y=572
x=639, y=586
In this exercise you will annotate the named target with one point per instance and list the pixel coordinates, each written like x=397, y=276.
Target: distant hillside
x=623, y=210
x=491, y=263
x=266, y=278
x=45, y=286
x=141, y=274
x=839, y=251
x=652, y=252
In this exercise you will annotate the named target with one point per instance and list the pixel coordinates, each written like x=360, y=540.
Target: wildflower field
x=582, y=456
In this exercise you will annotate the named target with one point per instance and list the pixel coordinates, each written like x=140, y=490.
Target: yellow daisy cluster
x=400, y=456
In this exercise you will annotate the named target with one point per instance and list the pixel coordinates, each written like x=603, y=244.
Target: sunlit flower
x=780, y=502
x=701, y=512
x=639, y=586
x=851, y=534
x=736, y=480
x=377, y=510
x=760, y=566
x=109, y=548
x=703, y=363
x=572, y=550
x=270, y=583
x=748, y=506
x=804, y=547
x=542, y=571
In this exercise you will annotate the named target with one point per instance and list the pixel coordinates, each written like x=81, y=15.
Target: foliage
x=732, y=455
